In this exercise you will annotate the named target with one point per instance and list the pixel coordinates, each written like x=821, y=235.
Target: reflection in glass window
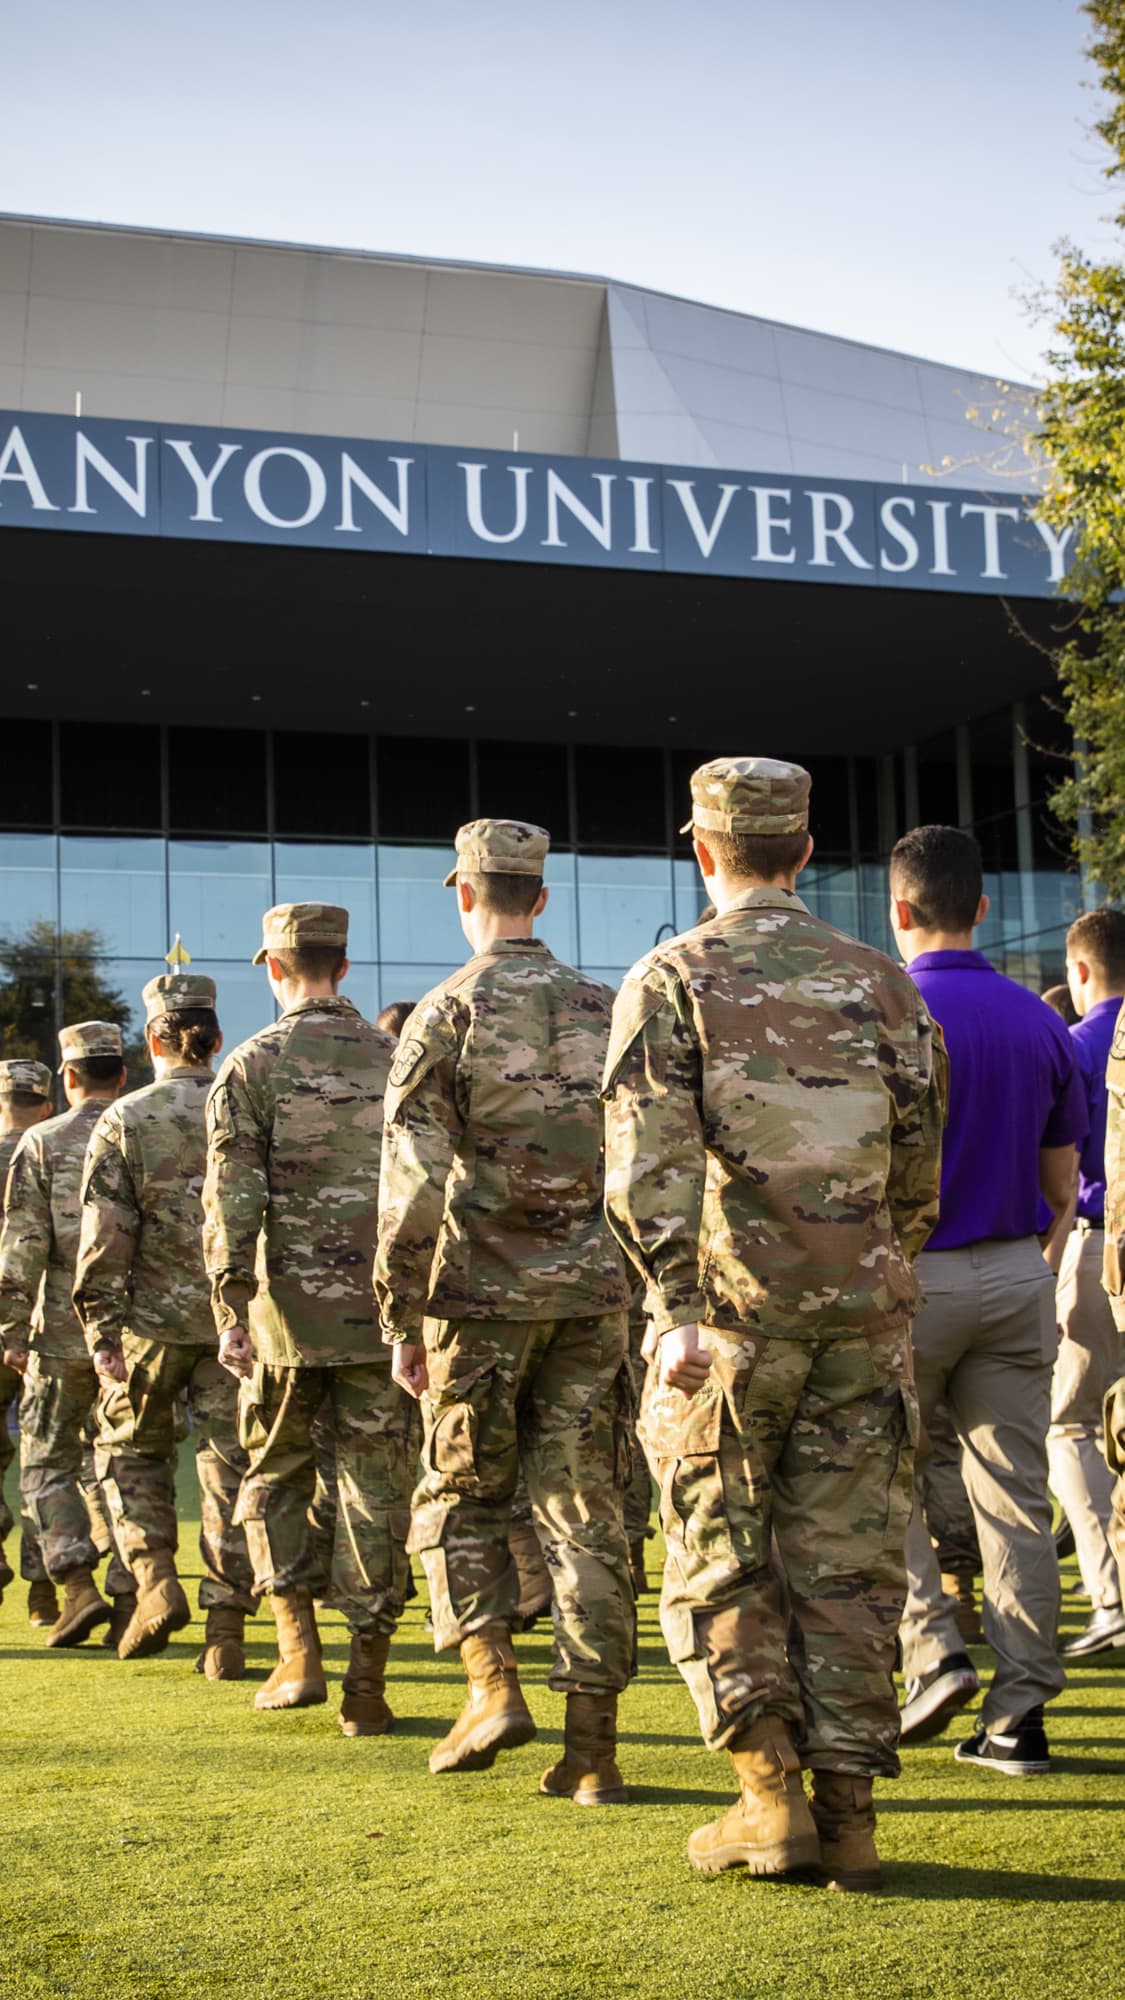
x=412, y=982
x=361, y=987
x=417, y=917
x=558, y=925
x=691, y=896
x=110, y=989
x=218, y=891
x=115, y=887
x=28, y=881
x=622, y=902
x=307, y=873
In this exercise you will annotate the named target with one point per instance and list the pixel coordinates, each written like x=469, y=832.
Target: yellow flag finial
x=178, y=955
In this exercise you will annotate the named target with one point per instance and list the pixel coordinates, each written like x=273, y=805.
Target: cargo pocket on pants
x=682, y=1435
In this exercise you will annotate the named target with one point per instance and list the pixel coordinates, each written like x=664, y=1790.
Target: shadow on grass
x=1029, y=1801
x=938, y=1882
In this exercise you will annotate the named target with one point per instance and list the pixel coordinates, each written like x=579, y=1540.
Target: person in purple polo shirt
x=1091, y=1351
x=986, y=1339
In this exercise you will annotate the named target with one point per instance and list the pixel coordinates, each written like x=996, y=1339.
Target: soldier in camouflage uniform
x=25, y=1100
x=774, y=1112
x=504, y=1296
x=40, y=1333
x=294, y=1124
x=141, y=1293
x=1113, y=1278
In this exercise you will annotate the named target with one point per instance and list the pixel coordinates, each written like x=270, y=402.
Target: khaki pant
x=59, y=1400
x=555, y=1397
x=374, y=1429
x=136, y=1461
x=1090, y=1358
x=809, y=1444
x=985, y=1341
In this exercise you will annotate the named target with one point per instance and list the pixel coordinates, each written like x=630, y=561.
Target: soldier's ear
x=540, y=902
x=466, y=895
x=704, y=857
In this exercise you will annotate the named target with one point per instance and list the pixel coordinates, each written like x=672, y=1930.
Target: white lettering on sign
x=939, y=514
x=898, y=532
x=397, y=512
x=559, y=494
x=16, y=453
x=87, y=459
x=767, y=524
x=641, y=544
x=824, y=531
x=474, y=501
x=203, y=482
x=252, y=486
x=706, y=536
x=990, y=517
x=1056, y=542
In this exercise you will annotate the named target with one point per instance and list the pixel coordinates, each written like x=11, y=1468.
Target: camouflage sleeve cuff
x=670, y=1310
x=230, y=1299
x=106, y=1336
x=397, y=1336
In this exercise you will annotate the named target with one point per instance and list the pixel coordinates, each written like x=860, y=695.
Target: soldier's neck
x=485, y=927
x=726, y=889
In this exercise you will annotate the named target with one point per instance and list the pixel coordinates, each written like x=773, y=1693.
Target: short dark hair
x=311, y=961
x=506, y=895
x=22, y=1100
x=1098, y=936
x=759, y=857
x=395, y=1016
x=937, y=870
x=1058, y=999
x=96, y=1069
x=192, y=1033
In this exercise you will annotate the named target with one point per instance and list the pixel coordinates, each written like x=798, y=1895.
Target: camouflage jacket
x=140, y=1251
x=294, y=1124
x=8, y=1143
x=775, y=1095
x=40, y=1240
x=490, y=1203
x=1113, y=1275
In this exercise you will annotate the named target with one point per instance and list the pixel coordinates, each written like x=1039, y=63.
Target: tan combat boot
x=771, y=1830
x=83, y=1609
x=364, y=1711
x=845, y=1816
x=960, y=1585
x=224, y=1652
x=637, y=1566
x=42, y=1603
x=298, y=1680
x=121, y=1613
x=534, y=1576
x=587, y=1771
x=496, y=1716
x=161, y=1609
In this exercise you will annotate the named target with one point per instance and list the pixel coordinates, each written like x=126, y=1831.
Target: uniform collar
x=770, y=896
x=324, y=1003
x=503, y=946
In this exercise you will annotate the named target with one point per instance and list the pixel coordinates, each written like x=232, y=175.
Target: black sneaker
x=1023, y=1754
x=932, y=1698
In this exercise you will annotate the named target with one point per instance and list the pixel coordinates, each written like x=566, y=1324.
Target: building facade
x=312, y=555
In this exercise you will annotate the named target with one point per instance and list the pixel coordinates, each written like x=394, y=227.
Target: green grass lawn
x=163, y=1842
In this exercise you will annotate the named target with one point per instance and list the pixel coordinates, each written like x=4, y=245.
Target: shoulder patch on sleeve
x=428, y=1036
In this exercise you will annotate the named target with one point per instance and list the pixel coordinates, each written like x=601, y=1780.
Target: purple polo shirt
x=1091, y=1037
x=1014, y=1086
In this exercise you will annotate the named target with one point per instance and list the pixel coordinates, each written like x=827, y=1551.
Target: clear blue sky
x=887, y=169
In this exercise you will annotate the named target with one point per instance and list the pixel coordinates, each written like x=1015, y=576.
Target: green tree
x=1082, y=432
x=32, y=965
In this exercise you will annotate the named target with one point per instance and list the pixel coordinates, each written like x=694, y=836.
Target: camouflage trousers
x=554, y=1397
x=11, y=1383
x=136, y=1461
x=945, y=1504
x=812, y=1443
x=376, y=1431
x=64, y=1520
x=637, y=1498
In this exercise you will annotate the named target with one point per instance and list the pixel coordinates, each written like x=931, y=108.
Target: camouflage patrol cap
x=22, y=1073
x=499, y=847
x=88, y=1038
x=749, y=795
x=172, y=990
x=293, y=926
